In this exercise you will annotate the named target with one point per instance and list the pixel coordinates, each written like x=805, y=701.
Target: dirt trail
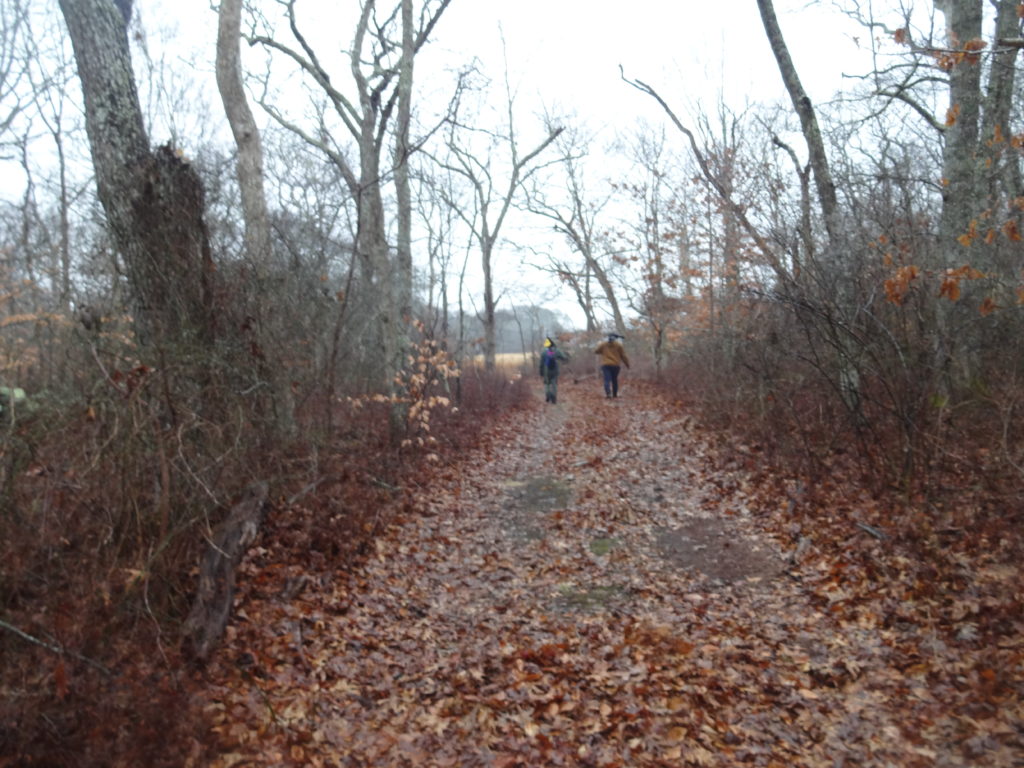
x=580, y=591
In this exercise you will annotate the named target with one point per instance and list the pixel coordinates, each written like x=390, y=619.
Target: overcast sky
x=569, y=51
x=566, y=53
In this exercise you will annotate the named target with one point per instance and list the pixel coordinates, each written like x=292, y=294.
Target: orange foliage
x=968, y=237
x=950, y=287
x=896, y=287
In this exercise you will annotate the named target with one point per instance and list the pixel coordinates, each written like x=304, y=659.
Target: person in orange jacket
x=613, y=356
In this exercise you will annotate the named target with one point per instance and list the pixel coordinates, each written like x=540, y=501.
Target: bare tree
x=808, y=120
x=249, y=169
x=980, y=168
x=576, y=220
x=380, y=68
x=245, y=131
x=13, y=69
x=493, y=188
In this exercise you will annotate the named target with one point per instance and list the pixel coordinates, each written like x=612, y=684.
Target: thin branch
x=61, y=651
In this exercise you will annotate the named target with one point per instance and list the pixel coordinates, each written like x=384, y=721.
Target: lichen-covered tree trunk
x=1002, y=165
x=960, y=160
x=153, y=200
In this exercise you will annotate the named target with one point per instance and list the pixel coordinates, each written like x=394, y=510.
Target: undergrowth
x=106, y=506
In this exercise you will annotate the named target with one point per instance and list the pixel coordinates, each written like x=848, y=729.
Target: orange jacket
x=612, y=353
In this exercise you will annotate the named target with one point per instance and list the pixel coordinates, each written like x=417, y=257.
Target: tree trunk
x=401, y=290
x=246, y=133
x=490, y=346
x=402, y=152
x=254, y=202
x=808, y=121
x=1004, y=177
x=960, y=152
x=154, y=201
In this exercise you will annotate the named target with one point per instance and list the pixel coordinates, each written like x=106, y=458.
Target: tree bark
x=960, y=151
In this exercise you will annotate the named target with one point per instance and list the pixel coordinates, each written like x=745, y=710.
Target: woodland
x=271, y=492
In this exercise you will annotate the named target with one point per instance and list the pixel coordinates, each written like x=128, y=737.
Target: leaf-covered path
x=584, y=589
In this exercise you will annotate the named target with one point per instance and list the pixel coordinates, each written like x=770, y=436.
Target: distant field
x=506, y=360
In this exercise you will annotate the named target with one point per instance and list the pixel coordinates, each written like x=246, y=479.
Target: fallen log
x=211, y=608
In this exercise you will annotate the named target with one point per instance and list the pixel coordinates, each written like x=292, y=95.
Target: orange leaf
x=1011, y=231
x=676, y=733
x=950, y=289
x=60, y=679
x=988, y=306
x=900, y=36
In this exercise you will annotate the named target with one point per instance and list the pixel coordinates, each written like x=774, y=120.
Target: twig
x=54, y=648
x=873, y=531
x=312, y=486
x=385, y=486
x=106, y=374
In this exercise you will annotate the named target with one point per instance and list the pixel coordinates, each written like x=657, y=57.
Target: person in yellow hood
x=613, y=357
x=549, y=358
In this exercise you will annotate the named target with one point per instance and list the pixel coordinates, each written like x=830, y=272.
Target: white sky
x=569, y=51
x=566, y=53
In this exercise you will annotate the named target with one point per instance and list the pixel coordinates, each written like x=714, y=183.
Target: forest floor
x=597, y=584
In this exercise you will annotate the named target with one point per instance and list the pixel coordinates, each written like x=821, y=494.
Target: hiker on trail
x=613, y=356
x=549, y=358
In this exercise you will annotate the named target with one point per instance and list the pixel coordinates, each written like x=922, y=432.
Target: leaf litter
x=598, y=584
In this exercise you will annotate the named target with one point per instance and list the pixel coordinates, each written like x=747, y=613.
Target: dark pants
x=611, y=380
x=551, y=389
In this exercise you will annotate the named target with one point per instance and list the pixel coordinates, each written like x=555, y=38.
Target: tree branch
x=53, y=647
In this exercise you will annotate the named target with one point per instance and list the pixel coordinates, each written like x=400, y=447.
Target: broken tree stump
x=212, y=605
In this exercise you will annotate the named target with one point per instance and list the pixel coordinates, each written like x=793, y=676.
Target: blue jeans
x=611, y=380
